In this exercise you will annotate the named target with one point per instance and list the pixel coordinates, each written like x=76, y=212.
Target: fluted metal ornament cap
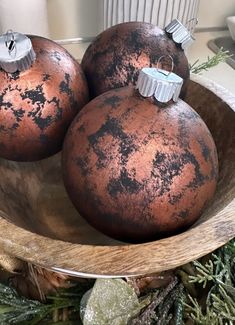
x=161, y=84
x=180, y=34
x=16, y=52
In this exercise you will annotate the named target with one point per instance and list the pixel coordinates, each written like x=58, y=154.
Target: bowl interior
x=32, y=195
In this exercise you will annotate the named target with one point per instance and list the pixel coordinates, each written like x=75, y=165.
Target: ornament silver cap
x=161, y=84
x=16, y=52
x=180, y=34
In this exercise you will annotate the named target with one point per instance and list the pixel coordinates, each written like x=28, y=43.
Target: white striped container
x=157, y=12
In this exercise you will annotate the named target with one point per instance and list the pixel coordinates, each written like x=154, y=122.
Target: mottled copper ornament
x=137, y=170
x=37, y=105
x=116, y=56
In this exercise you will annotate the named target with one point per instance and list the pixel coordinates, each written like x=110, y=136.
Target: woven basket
x=39, y=224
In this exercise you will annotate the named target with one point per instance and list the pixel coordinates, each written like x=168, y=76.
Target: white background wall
x=212, y=13
x=80, y=18
x=75, y=18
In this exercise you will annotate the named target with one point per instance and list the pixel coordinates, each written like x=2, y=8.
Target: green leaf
x=110, y=302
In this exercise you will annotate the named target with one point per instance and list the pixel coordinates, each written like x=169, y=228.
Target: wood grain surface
x=39, y=224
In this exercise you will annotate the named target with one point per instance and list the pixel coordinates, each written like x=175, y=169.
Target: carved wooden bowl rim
x=126, y=260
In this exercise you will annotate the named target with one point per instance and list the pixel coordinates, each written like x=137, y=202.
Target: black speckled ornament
x=116, y=56
x=140, y=170
x=38, y=105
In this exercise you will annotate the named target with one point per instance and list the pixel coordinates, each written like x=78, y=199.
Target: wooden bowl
x=39, y=224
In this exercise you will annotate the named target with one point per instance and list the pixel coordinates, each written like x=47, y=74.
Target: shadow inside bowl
x=32, y=195
x=220, y=119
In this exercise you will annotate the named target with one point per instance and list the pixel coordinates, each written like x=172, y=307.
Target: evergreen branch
x=15, y=309
x=211, y=62
x=196, y=314
x=220, y=298
x=179, y=307
x=205, y=273
x=224, y=304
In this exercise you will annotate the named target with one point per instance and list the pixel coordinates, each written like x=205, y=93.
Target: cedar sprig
x=224, y=304
x=195, y=313
x=216, y=275
x=15, y=309
x=205, y=273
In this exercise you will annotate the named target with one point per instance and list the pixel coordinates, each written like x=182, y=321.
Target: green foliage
x=195, y=313
x=216, y=277
x=205, y=273
x=211, y=62
x=203, y=292
x=15, y=309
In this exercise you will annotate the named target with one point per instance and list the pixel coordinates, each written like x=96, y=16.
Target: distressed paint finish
x=115, y=57
x=32, y=197
x=137, y=171
x=38, y=105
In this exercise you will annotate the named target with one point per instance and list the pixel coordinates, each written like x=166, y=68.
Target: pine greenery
x=216, y=280
x=211, y=62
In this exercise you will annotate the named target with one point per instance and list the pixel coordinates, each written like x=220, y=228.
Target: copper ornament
x=116, y=56
x=137, y=170
x=37, y=105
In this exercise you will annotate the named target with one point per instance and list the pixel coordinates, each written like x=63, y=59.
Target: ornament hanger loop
x=10, y=40
x=162, y=70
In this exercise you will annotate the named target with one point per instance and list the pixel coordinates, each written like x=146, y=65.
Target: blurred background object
x=60, y=19
x=87, y=18
x=212, y=14
x=157, y=12
x=74, y=23
x=75, y=18
x=231, y=26
x=24, y=16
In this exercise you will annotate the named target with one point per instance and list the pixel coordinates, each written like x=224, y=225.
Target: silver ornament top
x=161, y=84
x=16, y=52
x=180, y=34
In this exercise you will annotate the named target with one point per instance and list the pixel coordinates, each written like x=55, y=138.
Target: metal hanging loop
x=163, y=71
x=10, y=41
